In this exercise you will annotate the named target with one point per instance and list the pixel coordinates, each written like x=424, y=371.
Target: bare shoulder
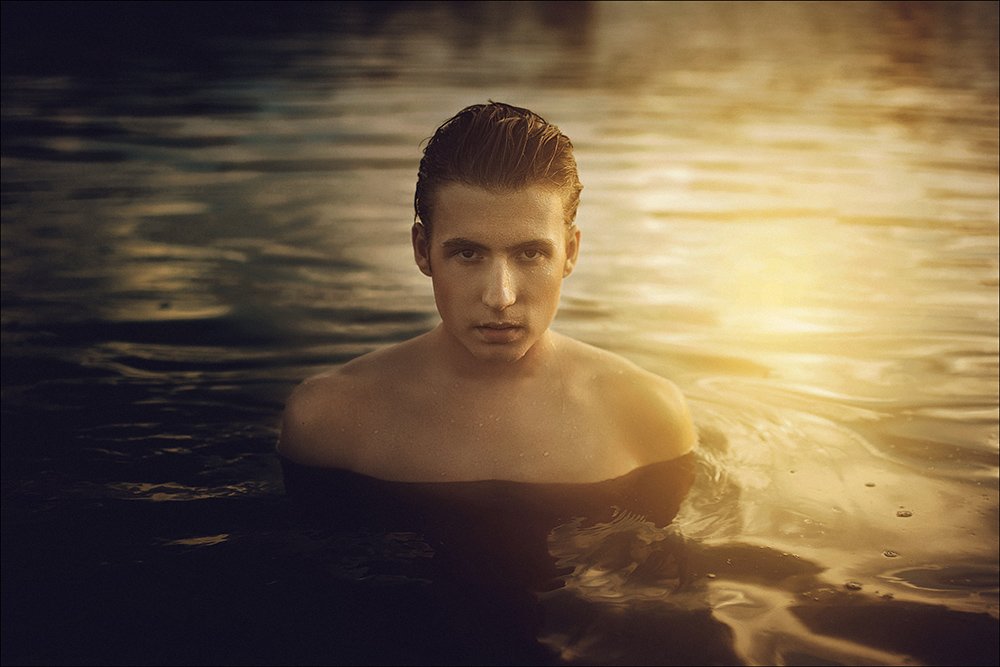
x=316, y=411
x=325, y=414
x=650, y=410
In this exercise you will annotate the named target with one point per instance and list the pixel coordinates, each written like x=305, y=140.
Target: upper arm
x=663, y=420
x=310, y=432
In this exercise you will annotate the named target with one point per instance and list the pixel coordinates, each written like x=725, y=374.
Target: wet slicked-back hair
x=500, y=148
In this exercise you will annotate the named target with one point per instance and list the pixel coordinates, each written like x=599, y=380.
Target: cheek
x=449, y=288
x=549, y=278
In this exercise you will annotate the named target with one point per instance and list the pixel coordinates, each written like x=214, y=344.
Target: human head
x=499, y=148
x=497, y=261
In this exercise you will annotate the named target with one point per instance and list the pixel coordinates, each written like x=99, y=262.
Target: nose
x=499, y=292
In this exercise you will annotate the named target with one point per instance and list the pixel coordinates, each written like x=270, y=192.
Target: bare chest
x=525, y=436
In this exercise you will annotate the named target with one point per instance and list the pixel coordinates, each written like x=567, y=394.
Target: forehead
x=475, y=213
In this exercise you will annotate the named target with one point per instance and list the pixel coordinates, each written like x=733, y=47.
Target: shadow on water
x=460, y=573
x=111, y=40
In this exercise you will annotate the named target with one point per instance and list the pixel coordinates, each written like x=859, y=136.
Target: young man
x=491, y=392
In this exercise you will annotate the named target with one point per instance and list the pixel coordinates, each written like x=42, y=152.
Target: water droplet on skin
x=852, y=586
x=889, y=553
x=545, y=453
x=904, y=513
x=711, y=575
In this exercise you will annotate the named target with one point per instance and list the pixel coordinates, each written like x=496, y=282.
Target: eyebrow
x=463, y=243
x=459, y=242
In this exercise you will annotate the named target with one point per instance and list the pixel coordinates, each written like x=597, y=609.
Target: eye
x=466, y=254
x=532, y=254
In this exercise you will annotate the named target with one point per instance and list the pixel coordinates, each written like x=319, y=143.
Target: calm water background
x=791, y=210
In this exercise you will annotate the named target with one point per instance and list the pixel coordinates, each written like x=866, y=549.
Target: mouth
x=499, y=332
x=498, y=326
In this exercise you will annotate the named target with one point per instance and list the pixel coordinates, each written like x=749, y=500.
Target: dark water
x=791, y=210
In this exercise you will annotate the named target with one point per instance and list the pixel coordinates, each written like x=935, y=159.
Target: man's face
x=497, y=262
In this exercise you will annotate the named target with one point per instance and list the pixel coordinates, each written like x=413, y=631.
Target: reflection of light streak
x=765, y=630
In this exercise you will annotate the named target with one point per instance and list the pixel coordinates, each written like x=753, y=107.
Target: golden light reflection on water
x=773, y=276
x=203, y=541
x=766, y=633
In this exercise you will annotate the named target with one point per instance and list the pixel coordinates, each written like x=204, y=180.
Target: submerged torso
x=504, y=524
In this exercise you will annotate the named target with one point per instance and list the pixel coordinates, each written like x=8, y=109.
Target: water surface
x=791, y=210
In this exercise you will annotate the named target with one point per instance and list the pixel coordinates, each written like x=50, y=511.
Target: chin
x=499, y=353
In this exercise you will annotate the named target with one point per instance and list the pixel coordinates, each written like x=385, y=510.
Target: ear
x=572, y=249
x=421, y=248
